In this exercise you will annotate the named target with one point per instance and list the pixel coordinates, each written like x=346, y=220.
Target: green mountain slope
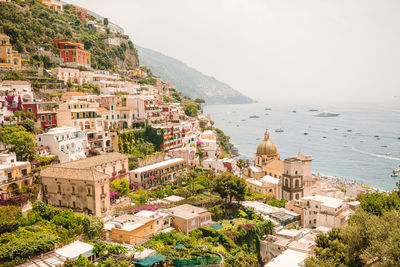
x=189, y=81
x=32, y=27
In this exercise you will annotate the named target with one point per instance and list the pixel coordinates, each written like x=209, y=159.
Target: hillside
x=188, y=80
x=32, y=27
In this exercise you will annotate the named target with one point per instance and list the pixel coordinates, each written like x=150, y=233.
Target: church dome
x=267, y=147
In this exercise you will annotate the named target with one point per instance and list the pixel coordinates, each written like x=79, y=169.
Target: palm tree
x=242, y=164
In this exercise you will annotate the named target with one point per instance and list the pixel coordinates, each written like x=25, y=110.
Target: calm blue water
x=358, y=156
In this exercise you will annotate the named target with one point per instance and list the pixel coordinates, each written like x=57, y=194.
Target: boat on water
x=394, y=175
x=323, y=136
x=294, y=111
x=243, y=120
x=305, y=133
x=313, y=110
x=349, y=131
x=279, y=130
x=335, y=129
x=384, y=146
x=398, y=137
x=254, y=117
x=268, y=109
x=376, y=136
x=326, y=114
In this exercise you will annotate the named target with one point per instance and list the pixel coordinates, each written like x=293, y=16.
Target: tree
x=242, y=164
x=29, y=125
x=23, y=142
x=199, y=101
x=377, y=203
x=105, y=21
x=120, y=185
x=191, y=108
x=229, y=186
x=92, y=227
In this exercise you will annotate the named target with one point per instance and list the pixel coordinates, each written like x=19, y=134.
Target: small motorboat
x=394, y=175
x=254, y=117
x=376, y=136
x=335, y=129
x=349, y=131
x=294, y=111
x=313, y=110
x=305, y=133
x=398, y=137
x=323, y=136
x=268, y=109
x=279, y=130
x=384, y=146
x=243, y=120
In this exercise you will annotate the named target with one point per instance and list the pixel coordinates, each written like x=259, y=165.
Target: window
x=295, y=172
x=107, y=117
x=45, y=188
x=29, y=110
x=49, y=117
x=297, y=196
x=112, y=107
x=89, y=191
x=151, y=227
x=102, y=189
x=297, y=182
x=193, y=222
x=9, y=175
x=66, y=52
x=73, y=204
x=73, y=190
x=24, y=172
x=286, y=182
x=124, y=116
x=59, y=203
x=59, y=189
x=43, y=118
x=315, y=220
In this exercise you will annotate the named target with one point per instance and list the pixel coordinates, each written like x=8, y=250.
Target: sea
x=360, y=145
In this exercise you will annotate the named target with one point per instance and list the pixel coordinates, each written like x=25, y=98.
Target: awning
x=151, y=260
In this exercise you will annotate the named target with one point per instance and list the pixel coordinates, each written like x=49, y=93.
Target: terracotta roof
x=2, y=35
x=61, y=172
x=93, y=161
x=102, y=109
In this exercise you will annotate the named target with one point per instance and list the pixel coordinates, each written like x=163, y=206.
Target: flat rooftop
x=158, y=165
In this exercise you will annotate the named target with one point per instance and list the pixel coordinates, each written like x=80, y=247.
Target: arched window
x=297, y=196
x=295, y=172
x=297, y=182
x=286, y=182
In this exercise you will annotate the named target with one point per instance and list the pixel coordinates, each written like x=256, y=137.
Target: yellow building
x=9, y=59
x=55, y=5
x=129, y=229
x=13, y=175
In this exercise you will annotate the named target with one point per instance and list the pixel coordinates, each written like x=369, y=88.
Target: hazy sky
x=308, y=49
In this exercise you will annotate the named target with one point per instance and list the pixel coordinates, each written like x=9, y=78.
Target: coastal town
x=115, y=167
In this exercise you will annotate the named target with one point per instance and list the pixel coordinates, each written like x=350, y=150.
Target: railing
x=14, y=180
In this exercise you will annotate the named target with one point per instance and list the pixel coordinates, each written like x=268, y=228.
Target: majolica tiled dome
x=267, y=147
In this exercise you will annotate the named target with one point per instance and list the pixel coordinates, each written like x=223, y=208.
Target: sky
x=346, y=50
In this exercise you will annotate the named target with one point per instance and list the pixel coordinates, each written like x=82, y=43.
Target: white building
x=68, y=143
x=324, y=211
x=16, y=88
